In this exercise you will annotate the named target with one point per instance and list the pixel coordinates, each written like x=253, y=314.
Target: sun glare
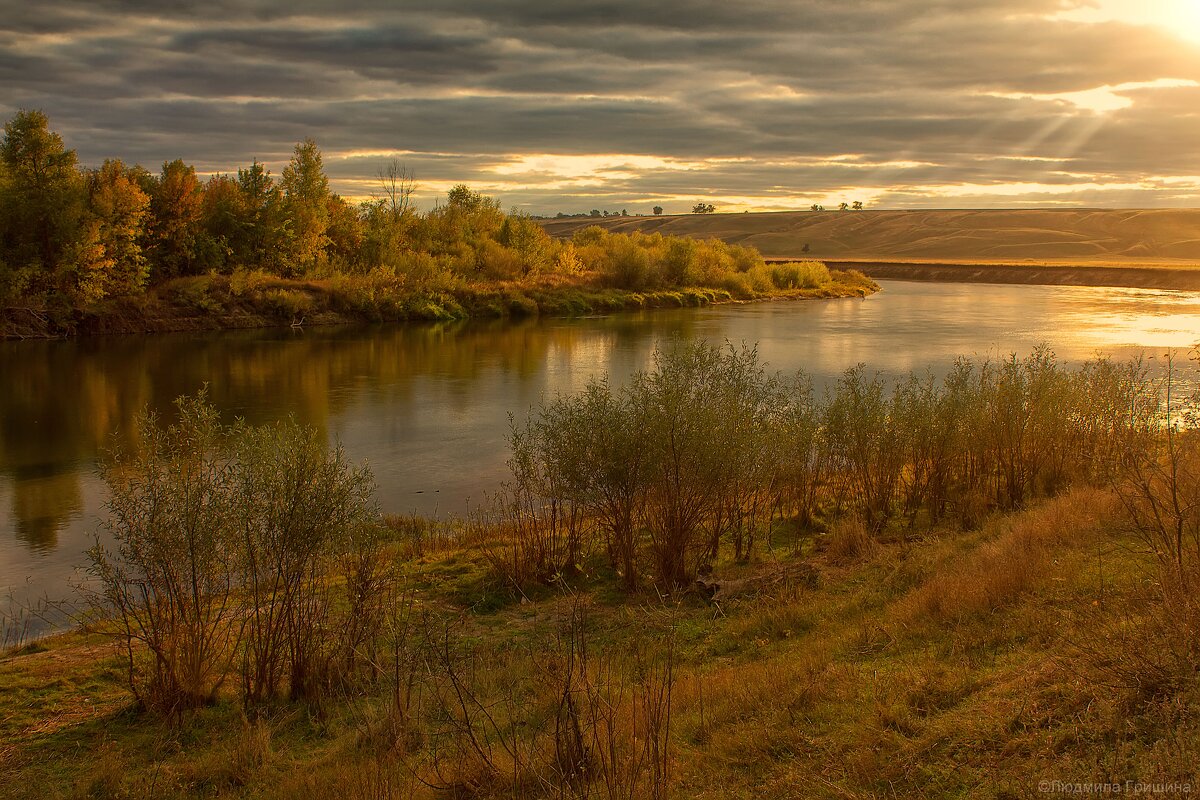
x=1187, y=13
x=1180, y=17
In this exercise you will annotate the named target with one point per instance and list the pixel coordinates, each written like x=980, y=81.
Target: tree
x=121, y=209
x=843, y=206
x=177, y=212
x=702, y=208
x=857, y=205
x=658, y=210
x=261, y=221
x=396, y=186
x=816, y=207
x=223, y=223
x=529, y=240
x=463, y=198
x=43, y=204
x=306, y=197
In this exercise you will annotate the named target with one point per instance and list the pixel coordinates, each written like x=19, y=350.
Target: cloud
x=614, y=103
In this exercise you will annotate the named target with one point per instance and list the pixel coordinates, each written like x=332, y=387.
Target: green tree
x=177, y=206
x=658, y=210
x=222, y=223
x=262, y=225
x=43, y=198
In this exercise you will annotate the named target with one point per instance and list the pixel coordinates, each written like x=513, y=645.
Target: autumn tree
x=306, y=196
x=120, y=210
x=533, y=245
x=346, y=234
x=389, y=219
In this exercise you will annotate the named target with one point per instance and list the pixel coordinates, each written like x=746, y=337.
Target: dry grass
x=852, y=688
x=1017, y=555
x=1002, y=236
x=849, y=542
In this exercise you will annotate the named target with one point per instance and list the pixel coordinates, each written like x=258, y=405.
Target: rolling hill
x=1157, y=248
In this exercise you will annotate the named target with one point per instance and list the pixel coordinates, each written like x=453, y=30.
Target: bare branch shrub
x=172, y=581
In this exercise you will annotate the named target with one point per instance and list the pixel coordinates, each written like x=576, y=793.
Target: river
x=427, y=406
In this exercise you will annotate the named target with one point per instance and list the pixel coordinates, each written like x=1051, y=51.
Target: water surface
x=427, y=405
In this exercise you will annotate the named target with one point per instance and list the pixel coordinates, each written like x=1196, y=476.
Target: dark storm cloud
x=912, y=97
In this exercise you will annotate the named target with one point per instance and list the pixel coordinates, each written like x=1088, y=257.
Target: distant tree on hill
x=595, y=212
x=658, y=211
x=816, y=207
x=843, y=206
x=805, y=248
x=857, y=205
x=703, y=208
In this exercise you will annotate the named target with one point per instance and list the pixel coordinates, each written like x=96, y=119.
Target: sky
x=569, y=105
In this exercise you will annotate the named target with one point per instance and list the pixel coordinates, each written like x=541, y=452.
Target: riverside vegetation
x=119, y=249
x=709, y=582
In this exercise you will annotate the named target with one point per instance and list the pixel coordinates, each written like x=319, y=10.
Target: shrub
x=171, y=581
x=800, y=275
x=227, y=534
x=249, y=282
x=288, y=303
x=300, y=508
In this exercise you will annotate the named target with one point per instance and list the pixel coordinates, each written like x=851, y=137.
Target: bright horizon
x=614, y=105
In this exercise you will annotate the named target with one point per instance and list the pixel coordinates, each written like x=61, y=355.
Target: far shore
x=1132, y=276
x=1132, y=248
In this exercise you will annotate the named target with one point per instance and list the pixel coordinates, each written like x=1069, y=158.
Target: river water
x=427, y=406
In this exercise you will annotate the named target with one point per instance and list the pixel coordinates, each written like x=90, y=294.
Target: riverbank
x=1139, y=276
x=219, y=302
x=935, y=663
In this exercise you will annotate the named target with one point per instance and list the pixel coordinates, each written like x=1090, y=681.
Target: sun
x=1178, y=17
x=1183, y=18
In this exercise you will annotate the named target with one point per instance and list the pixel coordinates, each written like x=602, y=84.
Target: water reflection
x=427, y=406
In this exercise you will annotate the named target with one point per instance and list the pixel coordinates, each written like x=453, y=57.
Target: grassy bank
x=256, y=300
x=931, y=663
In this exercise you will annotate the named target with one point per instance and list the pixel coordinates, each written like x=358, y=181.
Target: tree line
x=74, y=237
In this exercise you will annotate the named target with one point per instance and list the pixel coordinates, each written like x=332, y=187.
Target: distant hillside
x=1169, y=237
x=1153, y=249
